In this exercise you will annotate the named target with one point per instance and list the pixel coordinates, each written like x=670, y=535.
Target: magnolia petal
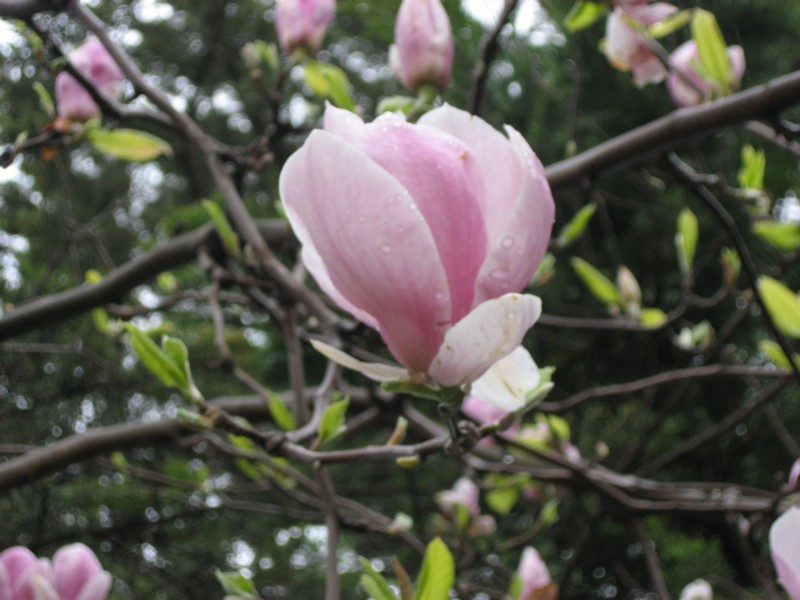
x=96, y=588
x=374, y=371
x=783, y=540
x=316, y=267
x=16, y=560
x=439, y=172
x=508, y=382
x=73, y=566
x=487, y=334
x=517, y=251
x=344, y=123
x=499, y=171
x=377, y=249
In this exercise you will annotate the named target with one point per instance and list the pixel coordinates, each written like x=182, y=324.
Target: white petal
x=508, y=382
x=491, y=331
x=375, y=371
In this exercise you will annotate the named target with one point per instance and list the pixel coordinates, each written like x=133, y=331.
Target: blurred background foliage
x=154, y=515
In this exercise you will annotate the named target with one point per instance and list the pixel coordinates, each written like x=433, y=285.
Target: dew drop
x=386, y=247
x=508, y=242
x=499, y=274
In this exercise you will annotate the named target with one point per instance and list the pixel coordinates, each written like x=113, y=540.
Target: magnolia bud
x=302, y=24
x=94, y=62
x=422, y=52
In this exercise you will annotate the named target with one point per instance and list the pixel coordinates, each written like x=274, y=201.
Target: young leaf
x=280, y=414
x=731, y=265
x=598, y=284
x=751, y=173
x=332, y=422
x=711, y=48
x=573, y=230
x=229, y=239
x=328, y=81
x=437, y=574
x=583, y=14
x=44, y=99
x=669, y=25
x=155, y=359
x=128, y=144
x=402, y=104
x=686, y=240
x=782, y=305
x=375, y=583
x=652, y=318
x=776, y=354
x=784, y=236
x=236, y=584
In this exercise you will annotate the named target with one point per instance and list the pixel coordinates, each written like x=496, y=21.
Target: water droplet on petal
x=508, y=242
x=386, y=247
x=499, y=274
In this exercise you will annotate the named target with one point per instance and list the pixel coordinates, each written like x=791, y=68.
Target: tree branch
x=76, y=301
x=648, y=141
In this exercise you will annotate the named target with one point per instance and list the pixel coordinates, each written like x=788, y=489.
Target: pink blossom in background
x=422, y=52
x=685, y=84
x=784, y=542
x=424, y=232
x=464, y=492
x=94, y=62
x=533, y=573
x=626, y=48
x=75, y=574
x=794, y=474
x=302, y=24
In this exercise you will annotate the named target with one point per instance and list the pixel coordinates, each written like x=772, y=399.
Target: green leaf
x=776, y=354
x=44, y=99
x=128, y=144
x=160, y=364
x=280, y=413
x=374, y=583
x=598, y=284
x=437, y=574
x=686, y=240
x=502, y=498
x=784, y=236
x=419, y=390
x=669, y=25
x=782, y=305
x=545, y=270
x=731, y=265
x=402, y=104
x=332, y=422
x=559, y=427
x=573, y=230
x=236, y=584
x=751, y=173
x=549, y=513
x=711, y=48
x=229, y=238
x=583, y=14
x=328, y=81
x=652, y=318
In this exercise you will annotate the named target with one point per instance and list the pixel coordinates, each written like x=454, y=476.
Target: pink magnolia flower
x=424, y=232
x=783, y=541
x=75, y=574
x=302, y=24
x=94, y=62
x=423, y=48
x=533, y=573
x=626, y=47
x=464, y=492
x=688, y=87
